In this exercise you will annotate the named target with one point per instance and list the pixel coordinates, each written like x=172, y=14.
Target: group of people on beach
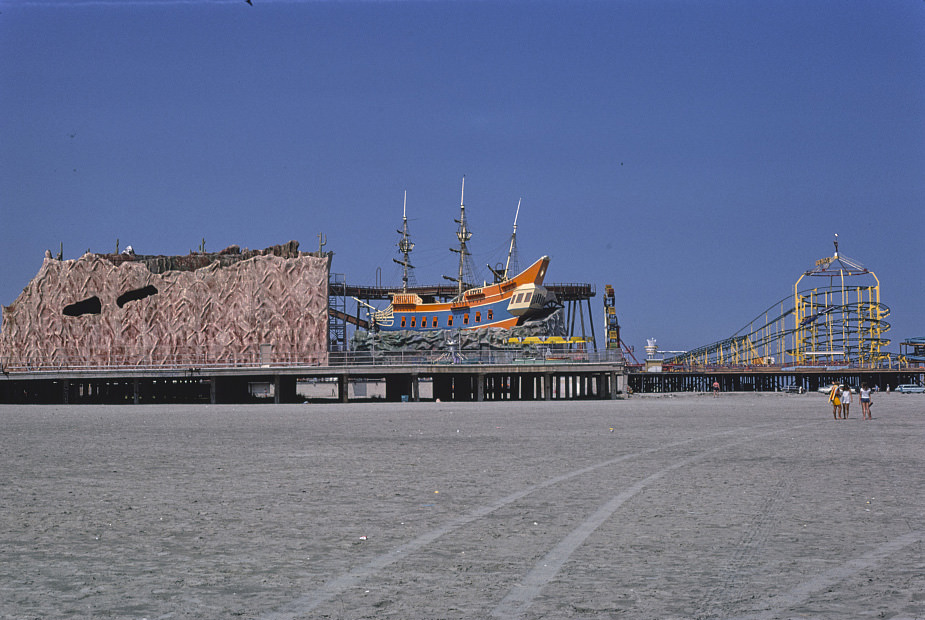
x=840, y=397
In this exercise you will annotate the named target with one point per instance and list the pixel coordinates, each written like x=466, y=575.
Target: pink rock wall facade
x=263, y=310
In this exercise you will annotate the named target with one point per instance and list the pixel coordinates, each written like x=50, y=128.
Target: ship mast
x=511, y=264
x=463, y=235
x=405, y=246
x=510, y=252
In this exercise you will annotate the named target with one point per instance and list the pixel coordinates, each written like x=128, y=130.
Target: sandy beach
x=746, y=506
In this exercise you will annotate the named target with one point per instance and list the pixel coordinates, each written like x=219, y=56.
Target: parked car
x=910, y=388
x=827, y=389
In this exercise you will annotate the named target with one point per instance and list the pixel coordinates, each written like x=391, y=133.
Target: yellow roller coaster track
x=840, y=321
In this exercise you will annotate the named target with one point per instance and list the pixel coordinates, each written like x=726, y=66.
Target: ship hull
x=502, y=305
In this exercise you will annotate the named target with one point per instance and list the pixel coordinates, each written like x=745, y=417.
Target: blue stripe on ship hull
x=498, y=308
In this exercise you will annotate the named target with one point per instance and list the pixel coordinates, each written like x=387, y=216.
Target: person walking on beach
x=715, y=388
x=834, y=394
x=864, y=399
x=845, y=401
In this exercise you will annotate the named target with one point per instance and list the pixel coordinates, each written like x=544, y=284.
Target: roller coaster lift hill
x=834, y=318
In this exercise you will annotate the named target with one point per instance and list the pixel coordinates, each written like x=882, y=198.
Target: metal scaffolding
x=836, y=318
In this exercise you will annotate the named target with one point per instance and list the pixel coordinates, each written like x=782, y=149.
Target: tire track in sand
x=780, y=603
x=521, y=596
x=732, y=578
x=327, y=591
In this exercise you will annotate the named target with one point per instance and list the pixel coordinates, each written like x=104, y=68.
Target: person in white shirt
x=845, y=401
x=864, y=399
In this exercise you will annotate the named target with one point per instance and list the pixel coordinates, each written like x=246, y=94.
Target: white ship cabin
x=527, y=298
x=406, y=301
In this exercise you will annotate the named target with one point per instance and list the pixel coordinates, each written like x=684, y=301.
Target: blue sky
x=699, y=156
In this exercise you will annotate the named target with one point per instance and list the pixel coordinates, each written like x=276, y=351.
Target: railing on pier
x=482, y=357
x=887, y=362
x=201, y=360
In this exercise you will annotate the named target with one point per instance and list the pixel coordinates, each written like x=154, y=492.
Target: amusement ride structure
x=834, y=317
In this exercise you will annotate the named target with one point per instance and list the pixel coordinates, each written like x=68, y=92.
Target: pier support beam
x=415, y=388
x=443, y=387
x=286, y=389
x=399, y=387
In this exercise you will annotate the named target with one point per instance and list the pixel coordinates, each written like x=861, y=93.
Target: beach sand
x=755, y=506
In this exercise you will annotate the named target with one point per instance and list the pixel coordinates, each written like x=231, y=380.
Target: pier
x=584, y=376
x=413, y=378
x=770, y=379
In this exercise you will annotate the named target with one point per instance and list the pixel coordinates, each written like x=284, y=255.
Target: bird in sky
x=250, y=2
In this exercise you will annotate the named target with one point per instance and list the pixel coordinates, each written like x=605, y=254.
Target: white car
x=827, y=389
x=910, y=388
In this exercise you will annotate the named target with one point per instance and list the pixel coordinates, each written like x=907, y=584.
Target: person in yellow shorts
x=835, y=399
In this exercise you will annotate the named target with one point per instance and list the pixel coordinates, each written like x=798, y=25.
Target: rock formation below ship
x=464, y=339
